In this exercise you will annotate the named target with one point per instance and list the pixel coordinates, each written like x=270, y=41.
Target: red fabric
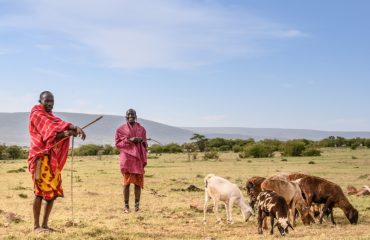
x=43, y=128
x=133, y=157
x=133, y=178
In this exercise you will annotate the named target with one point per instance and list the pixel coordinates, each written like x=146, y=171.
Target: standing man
x=46, y=160
x=132, y=144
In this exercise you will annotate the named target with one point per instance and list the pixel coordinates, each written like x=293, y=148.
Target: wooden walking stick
x=87, y=125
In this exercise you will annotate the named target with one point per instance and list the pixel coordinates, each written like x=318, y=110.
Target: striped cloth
x=43, y=128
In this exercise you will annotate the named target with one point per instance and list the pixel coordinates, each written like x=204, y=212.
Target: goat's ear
x=289, y=225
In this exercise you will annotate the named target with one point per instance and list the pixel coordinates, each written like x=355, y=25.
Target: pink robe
x=133, y=156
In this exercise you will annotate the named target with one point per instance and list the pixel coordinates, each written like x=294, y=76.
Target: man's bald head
x=47, y=100
x=131, y=116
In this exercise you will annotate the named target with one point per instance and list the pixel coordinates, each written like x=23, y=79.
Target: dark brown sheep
x=322, y=191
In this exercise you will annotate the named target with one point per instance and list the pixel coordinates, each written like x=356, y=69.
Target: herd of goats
x=280, y=197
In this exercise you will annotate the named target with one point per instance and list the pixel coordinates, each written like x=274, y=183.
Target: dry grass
x=166, y=213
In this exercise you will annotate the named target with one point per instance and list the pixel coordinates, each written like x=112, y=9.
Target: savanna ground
x=165, y=210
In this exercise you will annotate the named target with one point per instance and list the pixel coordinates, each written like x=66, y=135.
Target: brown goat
x=316, y=208
x=292, y=194
x=253, y=187
x=322, y=191
x=295, y=176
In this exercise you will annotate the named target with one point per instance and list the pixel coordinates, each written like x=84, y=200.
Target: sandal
x=126, y=209
x=137, y=208
x=40, y=230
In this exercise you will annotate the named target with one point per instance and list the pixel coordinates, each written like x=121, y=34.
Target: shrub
x=367, y=143
x=257, y=151
x=237, y=148
x=156, y=148
x=211, y=155
x=355, y=145
x=311, y=152
x=224, y=148
x=293, y=147
x=89, y=150
x=172, y=148
x=14, y=152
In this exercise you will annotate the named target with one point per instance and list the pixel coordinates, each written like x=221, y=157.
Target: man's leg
x=126, y=196
x=36, y=212
x=47, y=210
x=137, y=197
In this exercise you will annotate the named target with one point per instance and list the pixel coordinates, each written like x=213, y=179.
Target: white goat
x=222, y=190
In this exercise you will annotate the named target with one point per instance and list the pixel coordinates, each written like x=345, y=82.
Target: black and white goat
x=273, y=205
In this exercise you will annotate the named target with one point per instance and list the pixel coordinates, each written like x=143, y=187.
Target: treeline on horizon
x=211, y=147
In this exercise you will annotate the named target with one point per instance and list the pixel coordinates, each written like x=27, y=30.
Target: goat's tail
x=208, y=177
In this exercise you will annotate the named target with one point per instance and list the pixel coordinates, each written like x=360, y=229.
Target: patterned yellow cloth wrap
x=47, y=184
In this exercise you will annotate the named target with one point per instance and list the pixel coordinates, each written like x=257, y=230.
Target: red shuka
x=43, y=128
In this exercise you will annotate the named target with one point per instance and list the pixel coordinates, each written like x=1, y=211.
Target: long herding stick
x=87, y=125
x=151, y=139
x=72, y=156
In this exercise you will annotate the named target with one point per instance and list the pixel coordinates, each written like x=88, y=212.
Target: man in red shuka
x=132, y=143
x=46, y=160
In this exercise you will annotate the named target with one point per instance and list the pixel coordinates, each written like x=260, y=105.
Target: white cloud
x=153, y=34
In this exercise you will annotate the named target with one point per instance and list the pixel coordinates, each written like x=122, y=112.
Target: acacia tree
x=200, y=141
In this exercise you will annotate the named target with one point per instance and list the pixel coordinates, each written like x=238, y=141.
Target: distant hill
x=274, y=133
x=13, y=130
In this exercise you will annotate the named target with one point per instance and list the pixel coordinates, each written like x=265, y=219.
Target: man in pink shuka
x=132, y=143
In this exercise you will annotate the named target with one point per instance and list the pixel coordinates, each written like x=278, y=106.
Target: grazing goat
x=315, y=208
x=271, y=204
x=222, y=190
x=319, y=190
x=292, y=194
x=295, y=176
x=253, y=187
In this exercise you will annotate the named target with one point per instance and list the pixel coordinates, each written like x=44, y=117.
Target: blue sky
x=284, y=64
